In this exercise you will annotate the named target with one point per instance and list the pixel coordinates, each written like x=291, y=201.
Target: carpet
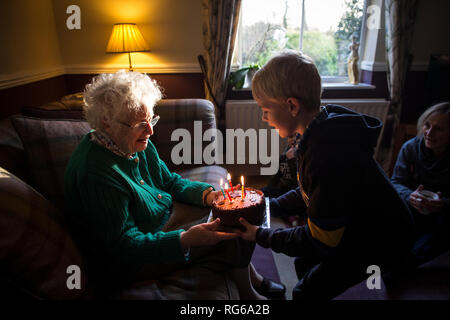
x=264, y=263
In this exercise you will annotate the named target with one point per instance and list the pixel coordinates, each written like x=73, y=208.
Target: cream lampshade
x=126, y=38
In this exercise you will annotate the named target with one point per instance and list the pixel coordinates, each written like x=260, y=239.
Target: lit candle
x=242, y=186
x=221, y=188
x=229, y=180
x=226, y=190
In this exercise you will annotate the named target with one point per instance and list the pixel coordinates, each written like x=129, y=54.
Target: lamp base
x=130, y=68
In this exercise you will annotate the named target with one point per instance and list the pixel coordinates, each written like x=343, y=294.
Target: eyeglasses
x=142, y=125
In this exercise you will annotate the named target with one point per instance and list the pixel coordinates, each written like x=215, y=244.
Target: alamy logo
x=374, y=281
x=373, y=19
x=213, y=152
x=74, y=20
x=74, y=280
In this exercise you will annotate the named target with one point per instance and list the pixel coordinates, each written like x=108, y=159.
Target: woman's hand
x=424, y=205
x=205, y=234
x=434, y=205
x=212, y=196
x=416, y=199
x=250, y=230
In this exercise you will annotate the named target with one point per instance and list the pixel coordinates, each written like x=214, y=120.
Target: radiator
x=377, y=108
x=245, y=114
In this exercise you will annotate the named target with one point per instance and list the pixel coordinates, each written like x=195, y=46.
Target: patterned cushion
x=73, y=101
x=12, y=154
x=71, y=104
x=54, y=105
x=208, y=174
x=35, y=249
x=181, y=114
x=53, y=114
x=48, y=145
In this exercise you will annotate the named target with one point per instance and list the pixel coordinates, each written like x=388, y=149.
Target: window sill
x=331, y=90
x=347, y=86
x=329, y=85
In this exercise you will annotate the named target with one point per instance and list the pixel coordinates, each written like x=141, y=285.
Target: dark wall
x=12, y=100
x=414, y=99
x=174, y=86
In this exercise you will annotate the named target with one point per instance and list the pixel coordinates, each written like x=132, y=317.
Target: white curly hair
x=110, y=94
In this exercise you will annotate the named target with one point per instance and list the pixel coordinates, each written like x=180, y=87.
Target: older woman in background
x=423, y=165
x=119, y=193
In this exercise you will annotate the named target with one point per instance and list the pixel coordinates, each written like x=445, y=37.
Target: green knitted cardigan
x=119, y=206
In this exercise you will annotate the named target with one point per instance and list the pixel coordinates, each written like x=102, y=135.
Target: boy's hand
x=250, y=230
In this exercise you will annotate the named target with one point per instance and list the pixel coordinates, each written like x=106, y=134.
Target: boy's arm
x=290, y=241
x=290, y=202
x=327, y=212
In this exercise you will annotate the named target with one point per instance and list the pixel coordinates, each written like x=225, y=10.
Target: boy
x=355, y=218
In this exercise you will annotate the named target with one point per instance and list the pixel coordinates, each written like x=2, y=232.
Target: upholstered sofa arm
x=186, y=110
x=193, y=117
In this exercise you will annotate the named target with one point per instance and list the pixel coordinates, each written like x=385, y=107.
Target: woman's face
x=436, y=131
x=131, y=131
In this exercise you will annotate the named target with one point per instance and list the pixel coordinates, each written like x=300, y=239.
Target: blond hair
x=110, y=94
x=289, y=74
x=440, y=108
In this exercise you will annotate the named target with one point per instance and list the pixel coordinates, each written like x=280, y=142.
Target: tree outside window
x=270, y=26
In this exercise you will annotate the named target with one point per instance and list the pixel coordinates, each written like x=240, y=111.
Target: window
x=320, y=28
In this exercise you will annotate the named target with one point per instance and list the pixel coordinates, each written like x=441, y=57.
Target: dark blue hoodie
x=352, y=207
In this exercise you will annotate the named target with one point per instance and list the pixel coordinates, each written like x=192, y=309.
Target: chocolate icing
x=251, y=209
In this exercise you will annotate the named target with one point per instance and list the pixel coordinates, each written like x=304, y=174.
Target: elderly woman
x=423, y=164
x=120, y=193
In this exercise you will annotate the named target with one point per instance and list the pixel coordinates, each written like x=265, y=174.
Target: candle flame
x=221, y=182
x=242, y=180
x=228, y=176
x=226, y=186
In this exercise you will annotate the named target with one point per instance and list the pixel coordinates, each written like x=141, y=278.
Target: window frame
x=331, y=80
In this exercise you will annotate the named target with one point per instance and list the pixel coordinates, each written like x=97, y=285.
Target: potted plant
x=243, y=76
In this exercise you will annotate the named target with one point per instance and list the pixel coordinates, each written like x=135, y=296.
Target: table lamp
x=126, y=38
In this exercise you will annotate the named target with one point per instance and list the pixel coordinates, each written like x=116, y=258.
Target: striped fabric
x=12, y=155
x=194, y=283
x=48, y=145
x=35, y=249
x=208, y=174
x=181, y=113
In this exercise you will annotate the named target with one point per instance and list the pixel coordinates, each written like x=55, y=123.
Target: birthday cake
x=252, y=208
